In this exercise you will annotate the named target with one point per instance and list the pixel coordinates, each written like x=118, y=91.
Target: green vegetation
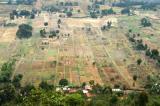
x=145, y=22
x=69, y=13
x=125, y=11
x=42, y=32
x=27, y=2
x=6, y=71
x=139, y=61
x=63, y=82
x=108, y=11
x=101, y=96
x=24, y=31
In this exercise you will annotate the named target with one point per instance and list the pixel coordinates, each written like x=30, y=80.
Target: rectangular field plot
x=36, y=71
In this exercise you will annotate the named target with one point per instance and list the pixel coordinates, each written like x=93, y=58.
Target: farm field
x=82, y=51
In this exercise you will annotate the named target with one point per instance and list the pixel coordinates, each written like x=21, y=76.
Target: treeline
x=25, y=13
x=144, y=5
x=46, y=95
x=26, y=2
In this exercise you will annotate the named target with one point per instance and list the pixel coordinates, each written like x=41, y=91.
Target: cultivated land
x=79, y=54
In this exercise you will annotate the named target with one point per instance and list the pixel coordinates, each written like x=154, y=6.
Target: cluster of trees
x=108, y=11
x=50, y=8
x=70, y=4
x=6, y=71
x=24, y=31
x=153, y=54
x=139, y=45
x=93, y=14
x=52, y=33
x=7, y=84
x=149, y=6
x=128, y=3
x=144, y=5
x=126, y=11
x=26, y=2
x=46, y=94
x=24, y=13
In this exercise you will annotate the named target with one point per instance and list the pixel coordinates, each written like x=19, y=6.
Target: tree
x=134, y=77
x=12, y=14
x=16, y=80
x=32, y=16
x=24, y=31
x=74, y=100
x=59, y=21
x=46, y=24
x=6, y=71
x=44, y=85
x=108, y=11
x=52, y=34
x=63, y=82
x=142, y=99
x=42, y=32
x=148, y=52
x=109, y=24
x=145, y=22
x=27, y=89
x=139, y=61
x=154, y=53
x=69, y=14
x=24, y=13
x=91, y=82
x=125, y=11
x=113, y=101
x=7, y=94
x=93, y=15
x=140, y=45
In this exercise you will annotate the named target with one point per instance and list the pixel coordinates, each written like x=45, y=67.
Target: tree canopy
x=24, y=31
